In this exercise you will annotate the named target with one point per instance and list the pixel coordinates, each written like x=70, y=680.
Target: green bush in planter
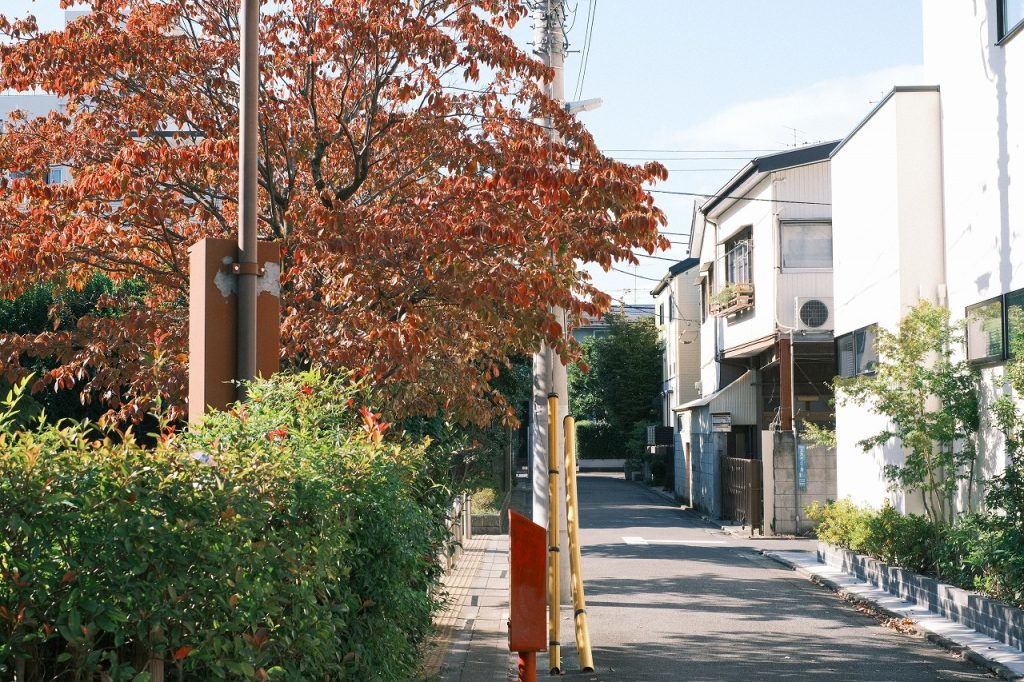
x=909, y=541
x=282, y=540
x=841, y=523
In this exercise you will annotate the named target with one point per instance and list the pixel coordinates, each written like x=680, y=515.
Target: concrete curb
x=970, y=651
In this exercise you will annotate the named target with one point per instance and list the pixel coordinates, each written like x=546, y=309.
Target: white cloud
x=824, y=111
x=827, y=110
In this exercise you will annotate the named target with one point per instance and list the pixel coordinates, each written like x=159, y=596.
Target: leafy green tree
x=930, y=399
x=618, y=378
x=1005, y=497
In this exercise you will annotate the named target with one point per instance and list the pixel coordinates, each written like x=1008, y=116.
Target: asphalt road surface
x=671, y=598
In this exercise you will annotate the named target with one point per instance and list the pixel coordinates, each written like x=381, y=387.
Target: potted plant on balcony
x=732, y=298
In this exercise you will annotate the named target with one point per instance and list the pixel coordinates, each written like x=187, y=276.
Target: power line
x=633, y=274
x=680, y=158
x=644, y=255
x=699, y=170
x=692, y=151
x=585, y=57
x=727, y=196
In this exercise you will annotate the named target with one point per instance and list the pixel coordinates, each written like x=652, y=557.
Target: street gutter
x=1005, y=661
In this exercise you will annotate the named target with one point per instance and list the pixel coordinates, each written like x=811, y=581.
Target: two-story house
x=677, y=315
x=943, y=221
x=764, y=242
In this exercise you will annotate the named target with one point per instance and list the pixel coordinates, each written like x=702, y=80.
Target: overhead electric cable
x=585, y=57
x=691, y=151
x=633, y=274
x=644, y=255
x=727, y=196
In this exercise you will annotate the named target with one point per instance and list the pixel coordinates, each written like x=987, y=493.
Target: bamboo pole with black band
x=554, y=592
x=572, y=521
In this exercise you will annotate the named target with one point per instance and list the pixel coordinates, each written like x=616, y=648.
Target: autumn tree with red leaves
x=428, y=223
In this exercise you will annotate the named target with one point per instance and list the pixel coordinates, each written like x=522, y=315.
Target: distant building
x=677, y=316
x=599, y=328
x=764, y=242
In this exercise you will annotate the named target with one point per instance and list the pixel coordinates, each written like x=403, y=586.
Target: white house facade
x=943, y=222
x=677, y=316
x=764, y=243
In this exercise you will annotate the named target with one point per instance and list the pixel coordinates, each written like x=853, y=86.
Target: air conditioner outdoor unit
x=813, y=314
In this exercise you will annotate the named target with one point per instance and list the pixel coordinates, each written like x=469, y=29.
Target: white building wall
x=888, y=253
x=686, y=336
x=982, y=87
x=804, y=194
x=760, y=321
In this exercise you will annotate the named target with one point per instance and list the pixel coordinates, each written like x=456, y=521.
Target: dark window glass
x=985, y=331
x=1014, y=321
x=661, y=314
x=845, y=355
x=864, y=350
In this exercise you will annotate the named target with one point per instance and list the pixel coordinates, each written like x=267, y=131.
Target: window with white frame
x=55, y=175
x=856, y=353
x=806, y=246
x=738, y=268
x=1011, y=16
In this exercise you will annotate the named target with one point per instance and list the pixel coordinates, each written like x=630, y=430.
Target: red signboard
x=528, y=602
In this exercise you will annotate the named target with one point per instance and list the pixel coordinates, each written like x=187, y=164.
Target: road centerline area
x=666, y=602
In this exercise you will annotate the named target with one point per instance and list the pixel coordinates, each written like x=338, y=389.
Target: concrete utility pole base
x=213, y=316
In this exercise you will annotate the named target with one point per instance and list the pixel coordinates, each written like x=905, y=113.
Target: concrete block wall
x=788, y=516
x=707, y=494
x=988, y=616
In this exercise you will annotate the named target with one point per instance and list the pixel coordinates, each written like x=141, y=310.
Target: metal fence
x=742, y=495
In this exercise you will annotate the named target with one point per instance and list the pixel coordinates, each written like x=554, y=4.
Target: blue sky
x=715, y=75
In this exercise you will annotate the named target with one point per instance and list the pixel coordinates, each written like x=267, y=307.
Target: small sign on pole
x=801, y=466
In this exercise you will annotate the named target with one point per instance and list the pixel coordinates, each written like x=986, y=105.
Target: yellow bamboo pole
x=572, y=520
x=554, y=596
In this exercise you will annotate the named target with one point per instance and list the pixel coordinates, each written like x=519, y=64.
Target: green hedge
x=599, y=440
x=283, y=540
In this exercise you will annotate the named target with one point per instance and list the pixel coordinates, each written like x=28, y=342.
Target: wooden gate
x=742, y=496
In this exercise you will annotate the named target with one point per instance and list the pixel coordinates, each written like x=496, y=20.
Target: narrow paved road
x=671, y=598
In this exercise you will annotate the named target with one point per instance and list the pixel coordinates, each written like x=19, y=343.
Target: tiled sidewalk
x=472, y=641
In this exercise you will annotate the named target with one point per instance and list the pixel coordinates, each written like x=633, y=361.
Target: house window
x=806, y=246
x=1014, y=304
x=55, y=176
x=671, y=307
x=661, y=314
x=1011, y=16
x=985, y=331
x=737, y=258
x=856, y=352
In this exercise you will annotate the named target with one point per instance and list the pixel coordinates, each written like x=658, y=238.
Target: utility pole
x=247, y=265
x=549, y=374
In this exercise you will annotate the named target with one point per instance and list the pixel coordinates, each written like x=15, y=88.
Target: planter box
x=600, y=464
x=988, y=616
x=491, y=524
